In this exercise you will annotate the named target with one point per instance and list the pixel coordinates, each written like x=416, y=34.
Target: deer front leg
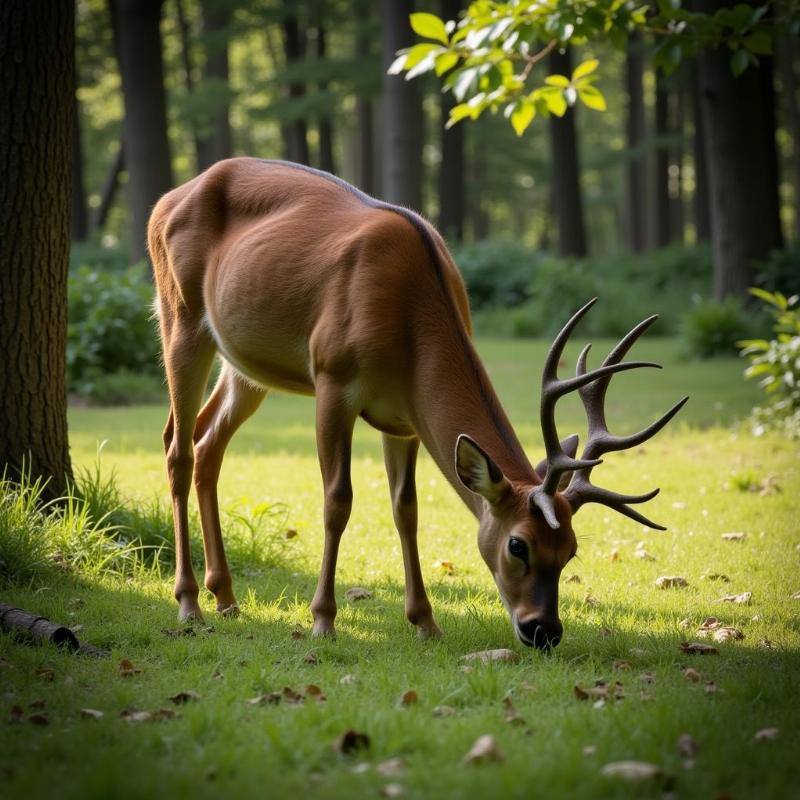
x=400, y=456
x=335, y=420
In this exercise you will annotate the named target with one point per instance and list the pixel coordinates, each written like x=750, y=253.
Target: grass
x=710, y=470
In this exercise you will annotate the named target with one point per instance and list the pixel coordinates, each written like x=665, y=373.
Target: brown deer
x=302, y=283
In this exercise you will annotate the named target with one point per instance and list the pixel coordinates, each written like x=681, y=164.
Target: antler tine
x=580, y=491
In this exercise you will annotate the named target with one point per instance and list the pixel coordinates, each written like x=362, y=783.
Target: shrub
x=776, y=363
x=712, y=328
x=781, y=272
x=110, y=331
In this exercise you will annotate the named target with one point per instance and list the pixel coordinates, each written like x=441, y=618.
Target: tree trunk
x=787, y=59
x=451, y=169
x=401, y=151
x=365, y=120
x=677, y=125
x=295, y=135
x=479, y=216
x=566, y=181
x=145, y=126
x=185, y=37
x=740, y=151
x=37, y=95
x=701, y=205
x=109, y=191
x=636, y=132
x=216, y=139
x=325, y=124
x=80, y=209
x=659, y=226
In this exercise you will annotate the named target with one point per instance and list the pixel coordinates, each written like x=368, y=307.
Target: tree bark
x=787, y=59
x=145, y=126
x=675, y=176
x=566, y=182
x=80, y=208
x=659, y=226
x=401, y=112
x=636, y=131
x=325, y=123
x=37, y=95
x=109, y=191
x=701, y=204
x=740, y=148
x=216, y=139
x=365, y=110
x=295, y=134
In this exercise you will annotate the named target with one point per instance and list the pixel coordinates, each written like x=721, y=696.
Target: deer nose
x=536, y=632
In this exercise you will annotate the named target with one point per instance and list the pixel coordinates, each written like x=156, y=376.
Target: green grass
x=221, y=746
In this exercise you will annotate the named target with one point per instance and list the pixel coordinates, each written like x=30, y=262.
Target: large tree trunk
x=451, y=169
x=325, y=124
x=401, y=151
x=701, y=204
x=295, y=135
x=788, y=58
x=365, y=120
x=37, y=96
x=145, y=128
x=745, y=222
x=108, y=192
x=636, y=131
x=675, y=185
x=80, y=208
x=566, y=180
x=216, y=140
x=659, y=207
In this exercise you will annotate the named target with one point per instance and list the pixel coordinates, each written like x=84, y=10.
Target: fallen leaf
x=501, y=655
x=132, y=715
x=620, y=663
x=444, y=711
x=512, y=716
x=290, y=533
x=45, y=674
x=16, y=714
x=391, y=768
x=715, y=576
x=637, y=652
x=709, y=624
x=766, y=735
x=726, y=633
x=642, y=554
x=298, y=632
x=270, y=698
x=590, y=750
x=409, y=698
x=600, y=691
x=685, y=623
x=184, y=697
x=350, y=742
x=735, y=536
x=76, y=628
x=698, y=648
x=484, y=749
x=392, y=790
x=217, y=675
x=632, y=770
x=292, y=697
x=312, y=659
x=590, y=600
x=671, y=582
x=710, y=688
x=361, y=768
x=357, y=593
x=346, y=680
x=614, y=555
x=91, y=713
x=39, y=719
x=687, y=746
x=692, y=675
x=795, y=596
x=647, y=677
x=126, y=669
x=312, y=690
x=38, y=703
x=744, y=598
x=445, y=567
x=766, y=644
x=572, y=579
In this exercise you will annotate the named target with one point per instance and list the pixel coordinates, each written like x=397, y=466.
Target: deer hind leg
x=400, y=456
x=188, y=354
x=233, y=400
x=335, y=420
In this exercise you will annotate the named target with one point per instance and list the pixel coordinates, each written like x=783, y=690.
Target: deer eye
x=518, y=549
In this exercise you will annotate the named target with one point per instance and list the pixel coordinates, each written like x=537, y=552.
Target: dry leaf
x=217, y=675
x=709, y=624
x=444, y=711
x=632, y=770
x=312, y=690
x=512, y=716
x=39, y=719
x=357, y=593
x=600, y=691
x=766, y=644
x=350, y=742
x=312, y=659
x=346, y=680
x=637, y=652
x=589, y=749
x=484, y=749
x=590, y=600
x=184, y=697
x=38, y=703
x=671, y=582
x=45, y=674
x=126, y=669
x=620, y=663
x=501, y=655
x=795, y=596
x=647, y=677
x=687, y=746
x=409, y=698
x=744, y=598
x=766, y=735
x=698, y=648
x=692, y=675
x=715, y=576
x=298, y=632
x=710, y=688
x=572, y=579
x=271, y=698
x=361, y=768
x=685, y=623
x=292, y=697
x=391, y=768
x=614, y=555
x=445, y=567
x=725, y=633
x=392, y=790
x=91, y=713
x=736, y=536
x=132, y=715
x=641, y=553
x=290, y=533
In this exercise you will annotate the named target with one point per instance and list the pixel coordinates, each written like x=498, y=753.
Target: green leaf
x=592, y=97
x=445, y=62
x=429, y=26
x=463, y=82
x=398, y=65
x=561, y=81
x=553, y=97
x=759, y=42
x=523, y=116
x=739, y=61
x=457, y=113
x=582, y=70
x=419, y=52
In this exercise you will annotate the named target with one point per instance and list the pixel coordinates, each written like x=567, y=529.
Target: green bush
x=781, y=272
x=776, y=363
x=110, y=333
x=713, y=328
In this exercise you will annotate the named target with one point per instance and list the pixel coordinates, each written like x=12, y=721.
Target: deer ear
x=570, y=447
x=478, y=472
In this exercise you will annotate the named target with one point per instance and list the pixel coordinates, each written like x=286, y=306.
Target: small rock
x=347, y=680
x=357, y=593
x=91, y=713
x=743, y=598
x=392, y=790
x=692, y=675
x=671, y=582
x=699, y=648
x=501, y=655
x=734, y=536
x=766, y=735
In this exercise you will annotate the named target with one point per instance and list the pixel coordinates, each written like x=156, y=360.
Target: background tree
x=37, y=95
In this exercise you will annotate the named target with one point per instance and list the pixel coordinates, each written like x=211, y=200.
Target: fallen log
x=40, y=629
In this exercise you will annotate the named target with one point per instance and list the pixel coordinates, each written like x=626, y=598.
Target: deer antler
x=600, y=441
x=559, y=462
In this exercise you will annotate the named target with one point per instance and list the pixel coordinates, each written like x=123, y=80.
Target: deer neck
x=453, y=395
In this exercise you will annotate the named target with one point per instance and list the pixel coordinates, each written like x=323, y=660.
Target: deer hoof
x=189, y=612
x=229, y=611
x=323, y=628
x=429, y=631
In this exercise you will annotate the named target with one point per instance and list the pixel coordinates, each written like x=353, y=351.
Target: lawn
x=618, y=625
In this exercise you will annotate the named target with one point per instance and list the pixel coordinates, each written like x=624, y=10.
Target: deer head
x=526, y=535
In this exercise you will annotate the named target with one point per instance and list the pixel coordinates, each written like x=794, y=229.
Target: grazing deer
x=304, y=284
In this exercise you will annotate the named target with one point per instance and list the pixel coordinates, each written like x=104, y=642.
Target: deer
x=302, y=283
